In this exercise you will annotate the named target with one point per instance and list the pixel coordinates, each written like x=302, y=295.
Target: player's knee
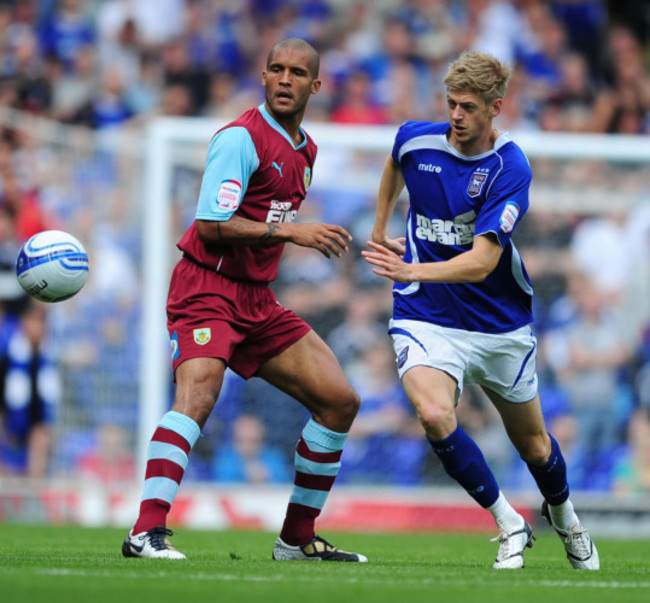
x=338, y=415
x=535, y=450
x=196, y=404
x=437, y=420
x=348, y=405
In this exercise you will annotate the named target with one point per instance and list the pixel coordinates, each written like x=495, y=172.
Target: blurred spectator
x=65, y=30
x=107, y=108
x=577, y=92
x=30, y=392
x=74, y=89
x=178, y=70
x=226, y=97
x=385, y=445
x=158, y=21
x=585, y=22
x=502, y=28
x=588, y=354
x=400, y=79
x=356, y=105
x=631, y=477
x=248, y=459
x=361, y=328
x=23, y=205
x=629, y=93
x=111, y=461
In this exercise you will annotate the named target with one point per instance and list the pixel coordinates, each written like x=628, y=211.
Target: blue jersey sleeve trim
x=232, y=160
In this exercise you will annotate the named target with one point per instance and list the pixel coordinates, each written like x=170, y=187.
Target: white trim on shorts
x=504, y=363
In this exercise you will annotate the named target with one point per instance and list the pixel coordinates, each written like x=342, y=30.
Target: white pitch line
x=212, y=577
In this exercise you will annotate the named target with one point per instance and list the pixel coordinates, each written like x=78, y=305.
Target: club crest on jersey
x=306, y=178
x=229, y=195
x=202, y=336
x=476, y=182
x=509, y=216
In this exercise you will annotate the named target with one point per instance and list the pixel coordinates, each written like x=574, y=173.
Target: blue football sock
x=464, y=461
x=551, y=478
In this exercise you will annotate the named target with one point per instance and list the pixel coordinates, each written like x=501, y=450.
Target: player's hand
x=329, y=239
x=395, y=245
x=388, y=263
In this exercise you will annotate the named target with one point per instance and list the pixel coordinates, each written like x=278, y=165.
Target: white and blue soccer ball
x=52, y=266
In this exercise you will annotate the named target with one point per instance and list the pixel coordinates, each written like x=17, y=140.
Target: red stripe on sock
x=164, y=468
x=153, y=513
x=298, y=527
x=314, y=482
x=168, y=436
x=318, y=457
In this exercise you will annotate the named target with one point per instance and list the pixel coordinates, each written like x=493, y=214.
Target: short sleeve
x=232, y=160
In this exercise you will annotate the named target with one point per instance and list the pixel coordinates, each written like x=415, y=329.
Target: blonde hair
x=478, y=73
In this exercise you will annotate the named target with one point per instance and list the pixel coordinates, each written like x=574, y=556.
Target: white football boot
x=580, y=548
x=511, y=547
x=152, y=544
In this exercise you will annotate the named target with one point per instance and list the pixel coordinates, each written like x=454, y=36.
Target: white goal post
x=163, y=138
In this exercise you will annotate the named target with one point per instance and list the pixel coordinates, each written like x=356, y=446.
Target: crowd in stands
x=100, y=65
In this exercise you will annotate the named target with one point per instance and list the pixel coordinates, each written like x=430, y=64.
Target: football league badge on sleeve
x=509, y=216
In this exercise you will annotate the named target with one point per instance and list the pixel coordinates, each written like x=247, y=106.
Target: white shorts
x=504, y=363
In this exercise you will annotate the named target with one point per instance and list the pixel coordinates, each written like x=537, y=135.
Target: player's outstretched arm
x=472, y=266
x=329, y=239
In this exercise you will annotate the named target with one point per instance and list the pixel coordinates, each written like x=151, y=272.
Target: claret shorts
x=212, y=316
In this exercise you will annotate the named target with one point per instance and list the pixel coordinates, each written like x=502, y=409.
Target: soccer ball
x=52, y=266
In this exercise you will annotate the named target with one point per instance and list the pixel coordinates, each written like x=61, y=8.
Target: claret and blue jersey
x=453, y=199
x=254, y=170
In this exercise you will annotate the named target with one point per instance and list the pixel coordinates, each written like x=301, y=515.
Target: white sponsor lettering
x=281, y=212
x=459, y=231
x=429, y=167
x=281, y=205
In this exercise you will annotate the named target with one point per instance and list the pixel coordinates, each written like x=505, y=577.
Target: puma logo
x=278, y=167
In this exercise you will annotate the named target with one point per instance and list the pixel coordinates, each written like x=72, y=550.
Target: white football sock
x=504, y=514
x=563, y=515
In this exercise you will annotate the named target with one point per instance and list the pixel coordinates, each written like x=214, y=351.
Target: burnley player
x=222, y=313
x=462, y=299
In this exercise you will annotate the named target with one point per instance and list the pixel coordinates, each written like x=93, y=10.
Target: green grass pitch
x=52, y=564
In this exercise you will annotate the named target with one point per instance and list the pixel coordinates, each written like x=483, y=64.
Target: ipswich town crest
x=476, y=182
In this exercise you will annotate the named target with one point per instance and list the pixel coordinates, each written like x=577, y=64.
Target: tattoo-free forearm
x=390, y=187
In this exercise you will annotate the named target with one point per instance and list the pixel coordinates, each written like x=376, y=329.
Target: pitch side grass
x=57, y=564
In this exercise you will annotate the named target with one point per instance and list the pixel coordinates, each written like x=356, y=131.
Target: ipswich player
x=462, y=299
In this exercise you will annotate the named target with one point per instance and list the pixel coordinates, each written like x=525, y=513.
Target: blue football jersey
x=453, y=199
